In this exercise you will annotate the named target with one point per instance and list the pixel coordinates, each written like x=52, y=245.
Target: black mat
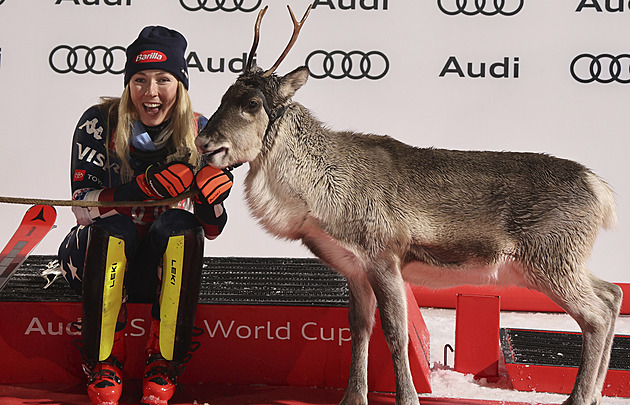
x=547, y=348
x=225, y=280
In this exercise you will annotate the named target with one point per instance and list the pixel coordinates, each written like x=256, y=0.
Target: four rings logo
x=83, y=59
x=603, y=68
x=338, y=64
x=246, y=6
x=483, y=7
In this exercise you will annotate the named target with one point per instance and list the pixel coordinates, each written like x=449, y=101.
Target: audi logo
x=483, y=7
x=603, y=68
x=355, y=65
x=83, y=59
x=223, y=5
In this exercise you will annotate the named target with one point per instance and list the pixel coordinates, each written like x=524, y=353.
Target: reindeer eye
x=252, y=105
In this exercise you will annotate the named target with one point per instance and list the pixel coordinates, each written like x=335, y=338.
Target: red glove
x=214, y=184
x=166, y=181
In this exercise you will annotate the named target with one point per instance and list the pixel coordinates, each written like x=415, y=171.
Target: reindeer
x=382, y=213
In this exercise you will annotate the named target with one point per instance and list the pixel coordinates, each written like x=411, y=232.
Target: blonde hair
x=122, y=113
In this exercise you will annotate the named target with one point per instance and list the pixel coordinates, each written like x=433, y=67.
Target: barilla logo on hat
x=149, y=56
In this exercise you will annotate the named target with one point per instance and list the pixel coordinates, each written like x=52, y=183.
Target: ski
x=37, y=221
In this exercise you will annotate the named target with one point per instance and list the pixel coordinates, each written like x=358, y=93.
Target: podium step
x=224, y=280
x=547, y=361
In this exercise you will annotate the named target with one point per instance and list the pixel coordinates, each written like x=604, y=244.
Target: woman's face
x=153, y=93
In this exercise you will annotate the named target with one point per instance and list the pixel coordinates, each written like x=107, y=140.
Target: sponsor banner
x=240, y=344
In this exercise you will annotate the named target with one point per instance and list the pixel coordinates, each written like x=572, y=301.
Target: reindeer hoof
x=412, y=400
x=354, y=399
x=570, y=401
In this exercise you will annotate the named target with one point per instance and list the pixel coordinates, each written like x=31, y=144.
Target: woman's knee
x=173, y=221
x=120, y=225
x=72, y=251
x=71, y=255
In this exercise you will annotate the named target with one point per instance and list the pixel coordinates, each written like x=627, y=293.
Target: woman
x=140, y=147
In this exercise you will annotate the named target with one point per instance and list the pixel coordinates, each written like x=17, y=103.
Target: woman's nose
x=151, y=88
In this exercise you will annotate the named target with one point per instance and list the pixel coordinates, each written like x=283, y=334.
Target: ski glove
x=157, y=182
x=170, y=180
x=214, y=184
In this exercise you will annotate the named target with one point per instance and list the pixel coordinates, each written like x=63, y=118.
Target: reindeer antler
x=297, y=26
x=252, y=52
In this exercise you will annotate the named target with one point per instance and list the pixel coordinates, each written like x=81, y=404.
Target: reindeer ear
x=291, y=82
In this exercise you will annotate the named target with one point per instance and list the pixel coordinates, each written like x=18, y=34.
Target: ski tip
x=41, y=213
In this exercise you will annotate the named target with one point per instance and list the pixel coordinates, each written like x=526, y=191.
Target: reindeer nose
x=201, y=144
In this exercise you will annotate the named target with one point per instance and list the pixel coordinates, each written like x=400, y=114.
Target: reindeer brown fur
x=381, y=212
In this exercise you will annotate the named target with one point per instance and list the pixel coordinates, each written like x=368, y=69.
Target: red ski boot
x=158, y=384
x=105, y=379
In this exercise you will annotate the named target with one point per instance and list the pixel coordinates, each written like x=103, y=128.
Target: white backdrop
x=421, y=98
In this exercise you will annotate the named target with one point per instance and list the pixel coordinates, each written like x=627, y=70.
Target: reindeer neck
x=286, y=172
x=275, y=115
x=295, y=138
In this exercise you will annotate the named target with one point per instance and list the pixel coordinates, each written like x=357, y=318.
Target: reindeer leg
x=362, y=306
x=389, y=288
x=594, y=305
x=612, y=295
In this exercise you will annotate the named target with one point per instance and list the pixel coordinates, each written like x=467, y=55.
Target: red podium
x=263, y=343
x=477, y=335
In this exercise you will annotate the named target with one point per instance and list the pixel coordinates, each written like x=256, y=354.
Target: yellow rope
x=74, y=203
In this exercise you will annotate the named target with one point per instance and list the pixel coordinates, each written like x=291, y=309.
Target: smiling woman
x=134, y=148
x=153, y=94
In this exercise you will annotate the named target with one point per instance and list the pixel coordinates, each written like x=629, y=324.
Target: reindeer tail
x=605, y=201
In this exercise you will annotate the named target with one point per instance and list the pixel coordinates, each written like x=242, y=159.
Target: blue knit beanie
x=158, y=48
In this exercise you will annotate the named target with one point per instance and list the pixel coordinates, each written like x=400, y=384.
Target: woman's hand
x=166, y=181
x=214, y=184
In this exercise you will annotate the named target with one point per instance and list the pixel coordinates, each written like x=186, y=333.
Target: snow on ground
x=445, y=382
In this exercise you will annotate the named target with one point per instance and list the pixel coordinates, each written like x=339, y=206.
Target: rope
x=76, y=203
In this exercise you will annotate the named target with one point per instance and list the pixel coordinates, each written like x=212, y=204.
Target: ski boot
x=105, y=379
x=159, y=383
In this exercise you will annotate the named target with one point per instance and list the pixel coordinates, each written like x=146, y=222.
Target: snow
x=445, y=382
